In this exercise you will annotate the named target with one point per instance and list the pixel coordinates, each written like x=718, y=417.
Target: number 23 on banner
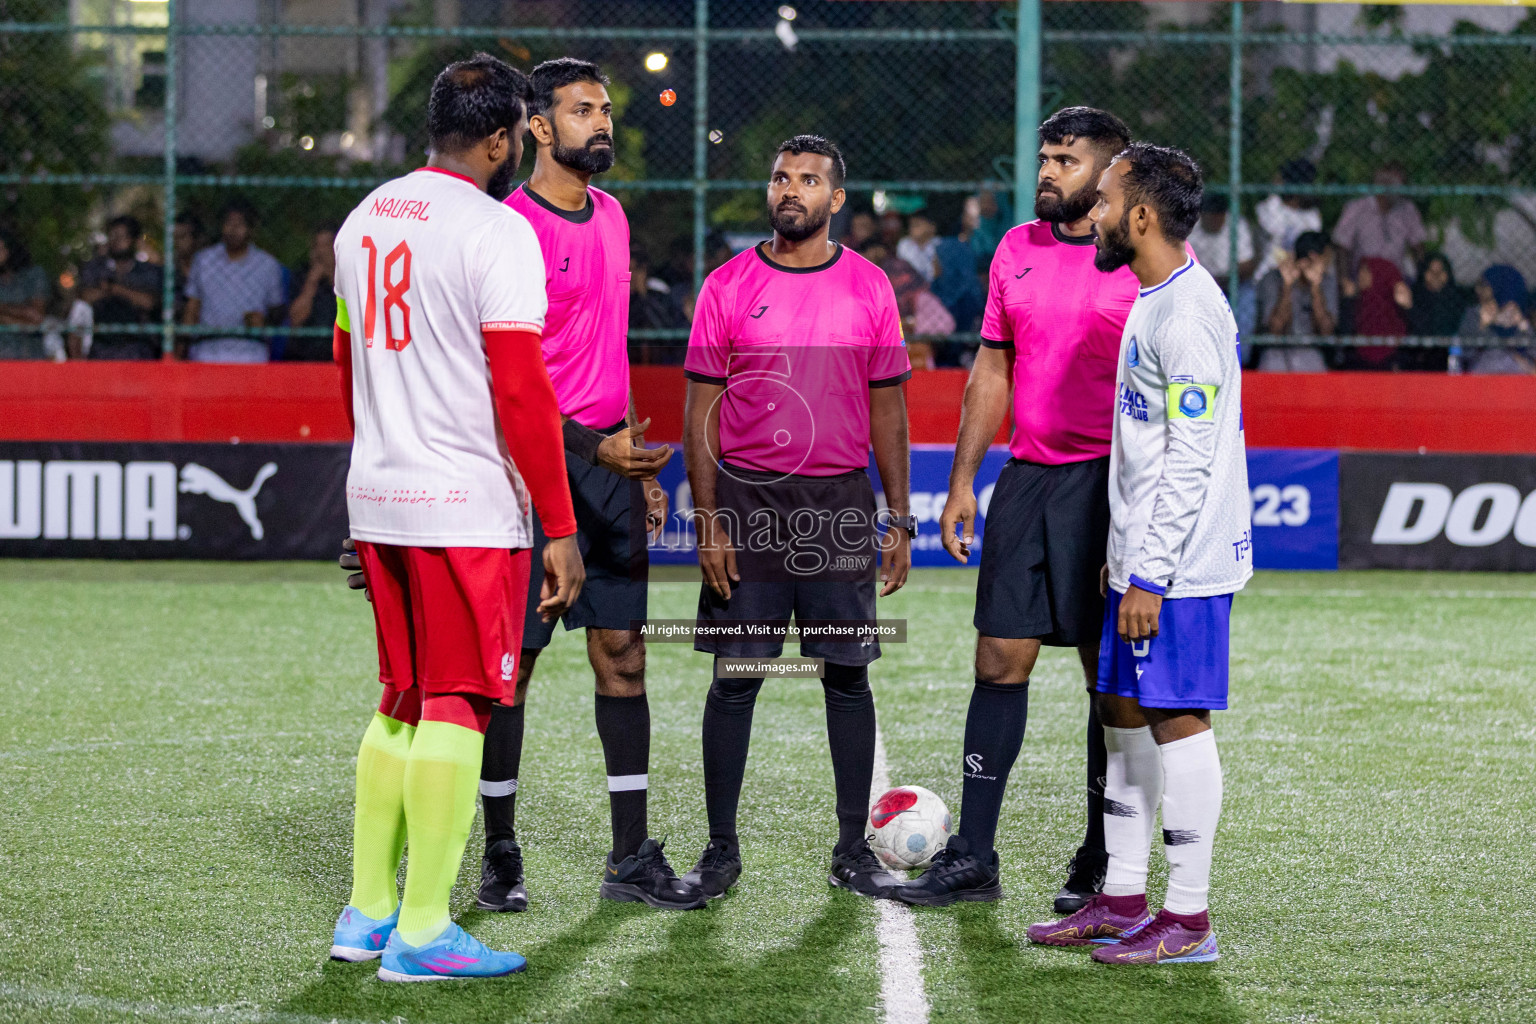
x=394, y=295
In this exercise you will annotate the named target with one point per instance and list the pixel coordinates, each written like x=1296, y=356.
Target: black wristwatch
x=907, y=522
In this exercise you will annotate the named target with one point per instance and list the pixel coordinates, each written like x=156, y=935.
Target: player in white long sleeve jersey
x=1178, y=479
x=1179, y=548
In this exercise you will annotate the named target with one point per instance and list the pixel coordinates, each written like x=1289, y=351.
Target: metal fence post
x=700, y=135
x=1235, y=150
x=1026, y=105
x=168, y=286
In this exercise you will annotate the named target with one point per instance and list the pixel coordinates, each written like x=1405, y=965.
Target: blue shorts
x=1184, y=666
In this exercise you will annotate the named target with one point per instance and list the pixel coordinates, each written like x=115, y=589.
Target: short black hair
x=19, y=254
x=1298, y=171
x=1169, y=181
x=1214, y=202
x=241, y=205
x=821, y=147
x=474, y=99
x=128, y=223
x=558, y=73
x=191, y=220
x=1310, y=243
x=1105, y=132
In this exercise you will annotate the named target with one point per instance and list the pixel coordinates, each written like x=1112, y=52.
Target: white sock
x=1191, y=807
x=1133, y=785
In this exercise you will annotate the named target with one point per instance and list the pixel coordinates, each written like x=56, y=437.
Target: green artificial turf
x=175, y=815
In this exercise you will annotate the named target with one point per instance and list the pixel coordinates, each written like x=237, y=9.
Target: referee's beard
x=1054, y=208
x=595, y=156
x=794, y=223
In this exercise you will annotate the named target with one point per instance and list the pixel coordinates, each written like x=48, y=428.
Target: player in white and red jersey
x=440, y=306
x=584, y=236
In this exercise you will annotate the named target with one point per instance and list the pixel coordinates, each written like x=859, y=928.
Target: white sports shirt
x=422, y=265
x=1178, y=486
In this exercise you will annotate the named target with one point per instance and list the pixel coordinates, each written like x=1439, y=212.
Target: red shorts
x=450, y=620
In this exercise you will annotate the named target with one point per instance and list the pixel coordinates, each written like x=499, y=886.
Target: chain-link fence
x=287, y=112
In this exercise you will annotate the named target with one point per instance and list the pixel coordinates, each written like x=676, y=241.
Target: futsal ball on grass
x=910, y=824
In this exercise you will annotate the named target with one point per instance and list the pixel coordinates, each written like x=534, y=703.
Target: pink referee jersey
x=586, y=276
x=798, y=350
x=1063, y=319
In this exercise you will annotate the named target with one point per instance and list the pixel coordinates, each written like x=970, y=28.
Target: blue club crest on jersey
x=1133, y=357
x=1192, y=403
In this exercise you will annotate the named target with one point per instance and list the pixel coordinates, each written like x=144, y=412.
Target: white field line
x=902, y=996
x=18, y=995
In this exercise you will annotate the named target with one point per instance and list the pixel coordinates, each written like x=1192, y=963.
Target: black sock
x=498, y=772
x=994, y=731
x=851, y=736
x=727, y=733
x=1093, y=838
x=624, y=726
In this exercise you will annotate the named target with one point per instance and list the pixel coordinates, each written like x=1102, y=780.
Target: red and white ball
x=910, y=825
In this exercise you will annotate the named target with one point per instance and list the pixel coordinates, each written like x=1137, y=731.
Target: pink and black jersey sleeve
x=996, y=329
x=888, y=361
x=509, y=277
x=709, y=347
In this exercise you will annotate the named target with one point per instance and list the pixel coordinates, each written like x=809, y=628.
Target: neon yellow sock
x=378, y=824
x=441, y=780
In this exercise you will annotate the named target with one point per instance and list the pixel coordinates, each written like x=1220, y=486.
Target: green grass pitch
x=176, y=786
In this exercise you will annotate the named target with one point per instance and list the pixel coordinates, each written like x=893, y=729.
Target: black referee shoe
x=860, y=870
x=646, y=877
x=955, y=874
x=717, y=870
x=501, y=878
x=1085, y=880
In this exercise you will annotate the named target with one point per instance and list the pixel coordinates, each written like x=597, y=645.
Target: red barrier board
x=108, y=401
x=113, y=401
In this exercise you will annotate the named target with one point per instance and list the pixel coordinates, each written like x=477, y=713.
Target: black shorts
x=1046, y=533
x=610, y=531
x=806, y=547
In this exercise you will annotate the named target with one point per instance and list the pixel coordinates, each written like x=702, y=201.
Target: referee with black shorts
x=1050, y=342
x=794, y=370
x=584, y=237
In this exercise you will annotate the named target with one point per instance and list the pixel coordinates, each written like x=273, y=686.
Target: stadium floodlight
x=655, y=61
x=787, y=12
x=307, y=142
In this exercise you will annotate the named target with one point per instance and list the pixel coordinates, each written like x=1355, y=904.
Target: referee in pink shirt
x=1050, y=343
x=794, y=369
x=584, y=239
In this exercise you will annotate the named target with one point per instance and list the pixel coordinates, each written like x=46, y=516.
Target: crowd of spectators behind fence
x=1371, y=276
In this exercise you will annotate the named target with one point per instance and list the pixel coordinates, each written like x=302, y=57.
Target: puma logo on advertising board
x=1481, y=515
x=197, y=479
x=103, y=500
